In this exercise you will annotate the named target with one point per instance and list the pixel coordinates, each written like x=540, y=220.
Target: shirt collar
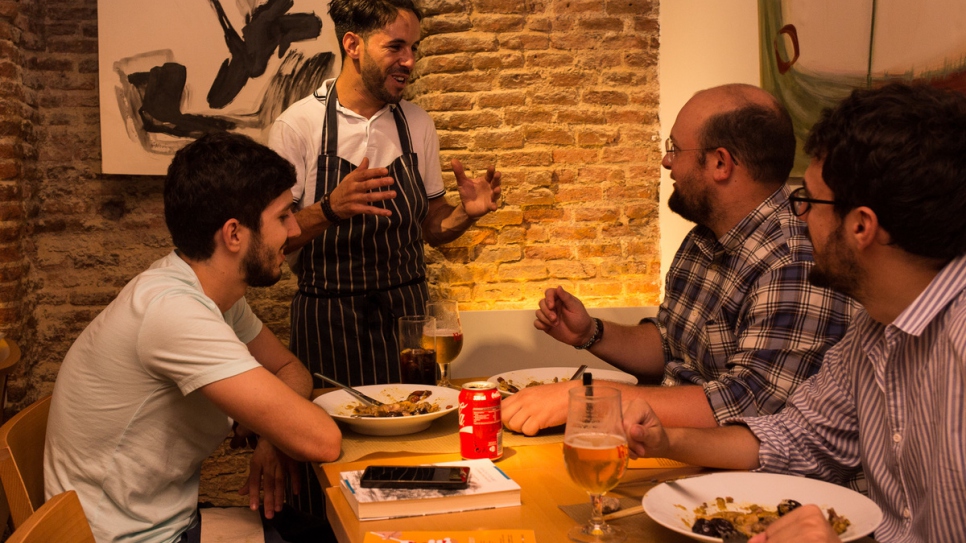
x=948, y=284
x=323, y=91
x=734, y=239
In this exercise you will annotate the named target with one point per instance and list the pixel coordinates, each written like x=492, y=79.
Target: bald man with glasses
x=740, y=326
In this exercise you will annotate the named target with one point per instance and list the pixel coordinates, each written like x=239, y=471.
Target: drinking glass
x=417, y=350
x=595, y=450
x=449, y=336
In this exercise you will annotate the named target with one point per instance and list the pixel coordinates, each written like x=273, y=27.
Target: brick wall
x=561, y=95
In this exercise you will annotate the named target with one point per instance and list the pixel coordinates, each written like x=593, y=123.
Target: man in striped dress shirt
x=885, y=204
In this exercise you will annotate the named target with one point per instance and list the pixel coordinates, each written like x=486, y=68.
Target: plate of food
x=512, y=382
x=408, y=408
x=700, y=507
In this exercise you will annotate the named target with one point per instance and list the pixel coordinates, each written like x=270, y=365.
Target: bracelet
x=598, y=333
x=328, y=211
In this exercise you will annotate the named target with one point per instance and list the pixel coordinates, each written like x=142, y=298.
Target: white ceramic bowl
x=672, y=504
x=339, y=404
x=520, y=378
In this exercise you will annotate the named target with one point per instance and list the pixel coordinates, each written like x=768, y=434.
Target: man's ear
x=865, y=229
x=353, y=44
x=724, y=164
x=231, y=236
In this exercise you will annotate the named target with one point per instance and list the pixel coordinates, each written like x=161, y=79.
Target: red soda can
x=481, y=426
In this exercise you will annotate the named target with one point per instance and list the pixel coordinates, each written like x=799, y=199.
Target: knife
x=579, y=372
x=360, y=396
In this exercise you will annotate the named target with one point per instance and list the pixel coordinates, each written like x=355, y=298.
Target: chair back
x=60, y=520
x=9, y=358
x=22, y=460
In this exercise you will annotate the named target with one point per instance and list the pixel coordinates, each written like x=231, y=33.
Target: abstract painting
x=814, y=52
x=174, y=70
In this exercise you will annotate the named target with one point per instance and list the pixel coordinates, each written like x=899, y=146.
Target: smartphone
x=442, y=477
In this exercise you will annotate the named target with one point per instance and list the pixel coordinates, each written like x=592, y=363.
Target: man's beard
x=696, y=208
x=258, y=269
x=836, y=268
x=374, y=80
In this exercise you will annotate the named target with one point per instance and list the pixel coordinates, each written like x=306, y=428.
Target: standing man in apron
x=371, y=193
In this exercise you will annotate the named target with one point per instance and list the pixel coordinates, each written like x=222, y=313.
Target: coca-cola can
x=481, y=426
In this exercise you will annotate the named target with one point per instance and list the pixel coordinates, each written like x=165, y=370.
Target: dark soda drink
x=418, y=366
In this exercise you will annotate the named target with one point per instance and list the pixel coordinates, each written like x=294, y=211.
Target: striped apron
x=360, y=276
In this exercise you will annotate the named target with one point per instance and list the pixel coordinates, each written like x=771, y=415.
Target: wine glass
x=595, y=450
x=449, y=336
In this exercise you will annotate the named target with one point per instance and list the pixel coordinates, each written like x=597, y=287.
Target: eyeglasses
x=670, y=149
x=801, y=202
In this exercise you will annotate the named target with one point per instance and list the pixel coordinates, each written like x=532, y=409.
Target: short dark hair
x=759, y=137
x=364, y=17
x=900, y=150
x=218, y=177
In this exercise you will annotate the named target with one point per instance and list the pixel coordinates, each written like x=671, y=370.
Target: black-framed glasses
x=670, y=148
x=801, y=202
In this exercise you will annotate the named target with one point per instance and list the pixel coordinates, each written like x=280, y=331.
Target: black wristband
x=598, y=333
x=328, y=212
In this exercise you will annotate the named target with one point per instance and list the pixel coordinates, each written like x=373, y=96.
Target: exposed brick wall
x=561, y=95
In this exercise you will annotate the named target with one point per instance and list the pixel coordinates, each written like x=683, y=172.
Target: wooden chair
x=60, y=520
x=9, y=358
x=22, y=460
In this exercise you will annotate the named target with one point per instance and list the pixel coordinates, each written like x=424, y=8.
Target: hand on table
x=480, y=195
x=535, y=408
x=645, y=434
x=267, y=473
x=807, y=524
x=355, y=194
x=563, y=317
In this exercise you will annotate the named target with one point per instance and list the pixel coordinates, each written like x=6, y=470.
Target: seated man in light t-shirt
x=150, y=388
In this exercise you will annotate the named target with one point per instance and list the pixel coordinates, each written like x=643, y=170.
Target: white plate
x=520, y=378
x=339, y=405
x=672, y=504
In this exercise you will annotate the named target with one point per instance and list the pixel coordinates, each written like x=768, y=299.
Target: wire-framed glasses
x=801, y=203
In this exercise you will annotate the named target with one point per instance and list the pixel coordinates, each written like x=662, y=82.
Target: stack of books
x=488, y=488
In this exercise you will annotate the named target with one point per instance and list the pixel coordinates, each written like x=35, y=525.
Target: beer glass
x=449, y=336
x=417, y=350
x=595, y=450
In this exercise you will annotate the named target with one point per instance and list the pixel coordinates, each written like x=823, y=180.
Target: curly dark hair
x=761, y=138
x=364, y=17
x=900, y=150
x=215, y=178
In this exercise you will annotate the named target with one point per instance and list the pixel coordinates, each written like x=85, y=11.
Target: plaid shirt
x=739, y=316
x=890, y=400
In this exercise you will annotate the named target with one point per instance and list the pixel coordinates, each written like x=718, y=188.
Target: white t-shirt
x=127, y=428
x=297, y=136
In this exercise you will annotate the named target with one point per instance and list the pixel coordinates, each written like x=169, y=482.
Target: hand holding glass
x=417, y=350
x=449, y=336
x=595, y=450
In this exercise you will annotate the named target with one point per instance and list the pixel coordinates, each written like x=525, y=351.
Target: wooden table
x=542, y=476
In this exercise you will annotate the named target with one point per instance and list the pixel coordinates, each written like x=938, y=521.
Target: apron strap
x=330, y=129
x=402, y=127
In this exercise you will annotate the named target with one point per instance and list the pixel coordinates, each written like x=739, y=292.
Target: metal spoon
x=360, y=396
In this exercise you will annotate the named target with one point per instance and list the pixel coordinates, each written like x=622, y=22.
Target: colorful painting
x=174, y=70
x=814, y=52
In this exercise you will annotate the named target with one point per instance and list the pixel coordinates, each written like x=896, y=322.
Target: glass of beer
x=595, y=450
x=449, y=336
x=417, y=350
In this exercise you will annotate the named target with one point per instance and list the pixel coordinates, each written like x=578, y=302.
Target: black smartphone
x=442, y=477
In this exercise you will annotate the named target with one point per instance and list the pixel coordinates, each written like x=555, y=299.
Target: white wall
x=499, y=341
x=704, y=43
